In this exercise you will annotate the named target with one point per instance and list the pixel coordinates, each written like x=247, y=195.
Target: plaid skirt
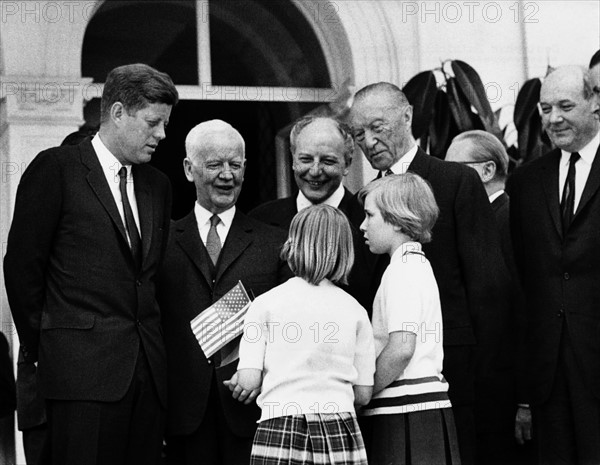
x=313, y=438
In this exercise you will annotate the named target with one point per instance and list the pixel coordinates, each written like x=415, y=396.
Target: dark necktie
x=213, y=243
x=389, y=172
x=132, y=231
x=567, y=202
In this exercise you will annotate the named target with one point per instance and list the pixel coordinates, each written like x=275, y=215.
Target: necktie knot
x=123, y=173
x=574, y=158
x=215, y=220
x=389, y=172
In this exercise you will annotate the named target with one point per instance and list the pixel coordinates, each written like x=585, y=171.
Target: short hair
x=595, y=59
x=136, y=86
x=588, y=88
x=319, y=245
x=342, y=128
x=406, y=201
x=486, y=147
x=392, y=90
x=199, y=133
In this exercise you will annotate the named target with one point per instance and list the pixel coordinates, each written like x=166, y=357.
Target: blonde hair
x=406, y=201
x=319, y=245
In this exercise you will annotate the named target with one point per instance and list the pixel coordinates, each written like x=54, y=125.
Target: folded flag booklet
x=223, y=321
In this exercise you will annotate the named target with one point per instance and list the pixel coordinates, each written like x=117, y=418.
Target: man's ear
x=488, y=171
x=117, y=112
x=408, y=115
x=187, y=169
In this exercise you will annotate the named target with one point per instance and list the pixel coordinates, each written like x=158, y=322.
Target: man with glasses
x=496, y=406
x=464, y=253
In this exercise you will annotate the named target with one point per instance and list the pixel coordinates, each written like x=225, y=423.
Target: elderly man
x=496, y=402
x=209, y=251
x=595, y=76
x=322, y=150
x=464, y=253
x=555, y=219
x=84, y=249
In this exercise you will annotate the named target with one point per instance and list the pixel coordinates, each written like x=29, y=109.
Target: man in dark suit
x=496, y=404
x=555, y=219
x=322, y=150
x=87, y=237
x=464, y=253
x=209, y=251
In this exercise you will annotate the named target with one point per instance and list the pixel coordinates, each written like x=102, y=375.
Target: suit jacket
x=79, y=304
x=560, y=272
x=280, y=213
x=187, y=287
x=464, y=253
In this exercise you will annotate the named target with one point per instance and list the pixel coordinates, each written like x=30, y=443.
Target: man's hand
x=243, y=395
x=523, y=425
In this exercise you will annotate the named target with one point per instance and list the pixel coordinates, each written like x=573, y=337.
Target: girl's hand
x=238, y=392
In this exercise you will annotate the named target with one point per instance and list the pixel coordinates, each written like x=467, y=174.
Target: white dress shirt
x=582, y=168
x=110, y=167
x=203, y=217
x=333, y=200
x=401, y=166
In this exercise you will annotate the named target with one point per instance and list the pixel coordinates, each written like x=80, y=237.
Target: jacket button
x=138, y=322
x=138, y=283
x=560, y=313
x=566, y=276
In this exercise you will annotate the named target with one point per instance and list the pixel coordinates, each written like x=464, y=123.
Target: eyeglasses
x=471, y=162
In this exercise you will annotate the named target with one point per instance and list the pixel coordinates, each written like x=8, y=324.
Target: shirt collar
x=107, y=160
x=495, y=195
x=587, y=153
x=203, y=215
x=333, y=200
x=401, y=166
x=408, y=248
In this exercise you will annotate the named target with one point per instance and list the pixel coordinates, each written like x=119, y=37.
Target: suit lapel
x=238, y=239
x=188, y=238
x=550, y=185
x=97, y=181
x=592, y=184
x=499, y=202
x=143, y=196
x=420, y=164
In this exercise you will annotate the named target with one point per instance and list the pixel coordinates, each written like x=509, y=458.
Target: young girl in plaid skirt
x=310, y=346
x=409, y=420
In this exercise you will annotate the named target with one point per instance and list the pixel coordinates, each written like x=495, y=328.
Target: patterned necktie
x=134, y=236
x=567, y=203
x=389, y=172
x=213, y=242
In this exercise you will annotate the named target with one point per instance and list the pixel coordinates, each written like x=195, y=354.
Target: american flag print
x=223, y=321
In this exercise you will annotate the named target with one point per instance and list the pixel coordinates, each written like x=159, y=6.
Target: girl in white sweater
x=310, y=346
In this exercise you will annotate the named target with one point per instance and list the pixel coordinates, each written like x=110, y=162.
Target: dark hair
x=136, y=86
x=595, y=59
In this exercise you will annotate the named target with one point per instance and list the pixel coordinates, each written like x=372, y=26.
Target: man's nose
x=160, y=132
x=315, y=169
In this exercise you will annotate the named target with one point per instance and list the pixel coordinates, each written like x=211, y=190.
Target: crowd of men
x=102, y=285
